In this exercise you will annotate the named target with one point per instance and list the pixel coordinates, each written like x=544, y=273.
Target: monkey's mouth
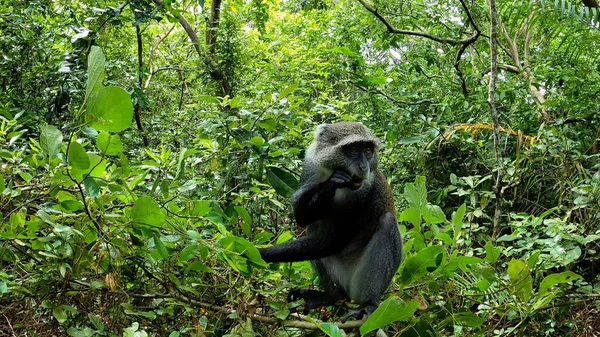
x=355, y=184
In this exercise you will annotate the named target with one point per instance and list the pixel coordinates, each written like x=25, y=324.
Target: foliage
x=102, y=236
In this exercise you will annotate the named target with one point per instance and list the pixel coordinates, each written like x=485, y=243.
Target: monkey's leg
x=315, y=298
x=376, y=267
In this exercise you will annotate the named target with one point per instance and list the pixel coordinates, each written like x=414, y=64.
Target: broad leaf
x=146, y=211
x=109, y=144
x=521, y=281
x=95, y=71
x=554, y=279
x=111, y=110
x=78, y=158
x=391, y=310
x=492, y=253
x=246, y=220
x=426, y=261
x=283, y=182
x=50, y=140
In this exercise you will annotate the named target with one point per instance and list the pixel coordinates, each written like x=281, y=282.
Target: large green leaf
x=95, y=71
x=50, y=140
x=146, y=211
x=246, y=220
x=433, y=214
x=283, y=182
x=554, y=279
x=111, y=110
x=109, y=144
x=492, y=253
x=521, y=282
x=78, y=158
x=416, y=194
x=391, y=310
x=426, y=261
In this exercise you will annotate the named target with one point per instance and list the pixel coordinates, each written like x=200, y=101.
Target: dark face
x=361, y=159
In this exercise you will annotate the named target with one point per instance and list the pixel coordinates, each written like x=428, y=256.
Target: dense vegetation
x=148, y=147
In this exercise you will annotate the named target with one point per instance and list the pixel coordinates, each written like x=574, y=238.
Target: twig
x=10, y=326
x=392, y=30
x=492, y=103
x=260, y=318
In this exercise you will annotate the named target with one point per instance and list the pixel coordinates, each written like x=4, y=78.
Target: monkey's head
x=347, y=146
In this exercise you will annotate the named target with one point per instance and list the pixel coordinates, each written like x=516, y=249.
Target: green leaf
x=201, y=208
x=457, y=220
x=78, y=158
x=521, y=281
x=109, y=144
x=554, y=279
x=416, y=194
x=208, y=99
x=146, y=211
x=50, y=140
x=188, y=252
x=181, y=164
x=257, y=141
x=425, y=261
x=60, y=314
x=111, y=110
x=86, y=332
x=246, y=220
x=158, y=244
x=412, y=215
x=91, y=187
x=283, y=182
x=197, y=265
x=244, y=249
x=533, y=259
x=95, y=71
x=290, y=89
x=391, y=310
x=71, y=205
x=492, y=254
x=433, y=214
x=329, y=329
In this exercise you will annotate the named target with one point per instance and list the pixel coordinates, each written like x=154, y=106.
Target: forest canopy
x=149, y=148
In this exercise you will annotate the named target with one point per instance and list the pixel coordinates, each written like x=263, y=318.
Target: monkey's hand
x=340, y=179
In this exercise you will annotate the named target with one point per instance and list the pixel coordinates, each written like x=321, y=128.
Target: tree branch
x=492, y=103
x=392, y=30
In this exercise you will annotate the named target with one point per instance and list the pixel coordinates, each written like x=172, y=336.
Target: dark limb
x=314, y=298
x=377, y=266
x=358, y=313
x=306, y=248
x=316, y=201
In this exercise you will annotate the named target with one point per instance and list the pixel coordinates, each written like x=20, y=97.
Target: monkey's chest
x=342, y=268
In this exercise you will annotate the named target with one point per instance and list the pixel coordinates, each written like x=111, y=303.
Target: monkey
x=347, y=206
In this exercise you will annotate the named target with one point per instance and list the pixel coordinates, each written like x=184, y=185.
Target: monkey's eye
x=368, y=151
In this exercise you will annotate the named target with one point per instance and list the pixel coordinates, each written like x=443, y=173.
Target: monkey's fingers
x=359, y=312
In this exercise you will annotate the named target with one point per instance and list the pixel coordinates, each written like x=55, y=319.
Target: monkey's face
x=361, y=160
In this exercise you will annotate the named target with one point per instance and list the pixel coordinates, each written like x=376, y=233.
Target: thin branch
x=397, y=101
x=492, y=103
x=392, y=30
x=259, y=318
x=151, y=56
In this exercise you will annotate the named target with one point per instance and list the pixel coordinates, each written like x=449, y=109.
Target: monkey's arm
x=313, y=203
x=310, y=247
